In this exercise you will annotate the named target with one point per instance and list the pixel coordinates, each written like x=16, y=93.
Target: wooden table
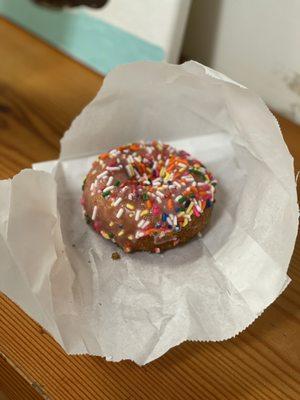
x=41, y=91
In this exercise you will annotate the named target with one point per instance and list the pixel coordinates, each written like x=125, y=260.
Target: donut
x=148, y=196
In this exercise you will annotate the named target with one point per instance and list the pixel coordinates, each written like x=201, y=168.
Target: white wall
x=256, y=42
x=161, y=22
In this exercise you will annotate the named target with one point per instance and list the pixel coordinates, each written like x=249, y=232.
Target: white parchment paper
x=61, y=273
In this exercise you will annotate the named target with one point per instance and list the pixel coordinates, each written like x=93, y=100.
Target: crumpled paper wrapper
x=61, y=273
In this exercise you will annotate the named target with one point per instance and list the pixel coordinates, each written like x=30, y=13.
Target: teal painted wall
x=90, y=40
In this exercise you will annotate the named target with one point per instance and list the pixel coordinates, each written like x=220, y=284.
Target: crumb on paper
x=115, y=255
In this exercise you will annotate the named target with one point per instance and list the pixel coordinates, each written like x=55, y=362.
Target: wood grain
x=14, y=385
x=41, y=91
x=34, y=111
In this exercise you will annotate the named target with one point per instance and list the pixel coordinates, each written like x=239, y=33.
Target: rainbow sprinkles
x=146, y=189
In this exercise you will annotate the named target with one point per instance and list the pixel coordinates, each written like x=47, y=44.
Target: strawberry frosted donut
x=148, y=196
